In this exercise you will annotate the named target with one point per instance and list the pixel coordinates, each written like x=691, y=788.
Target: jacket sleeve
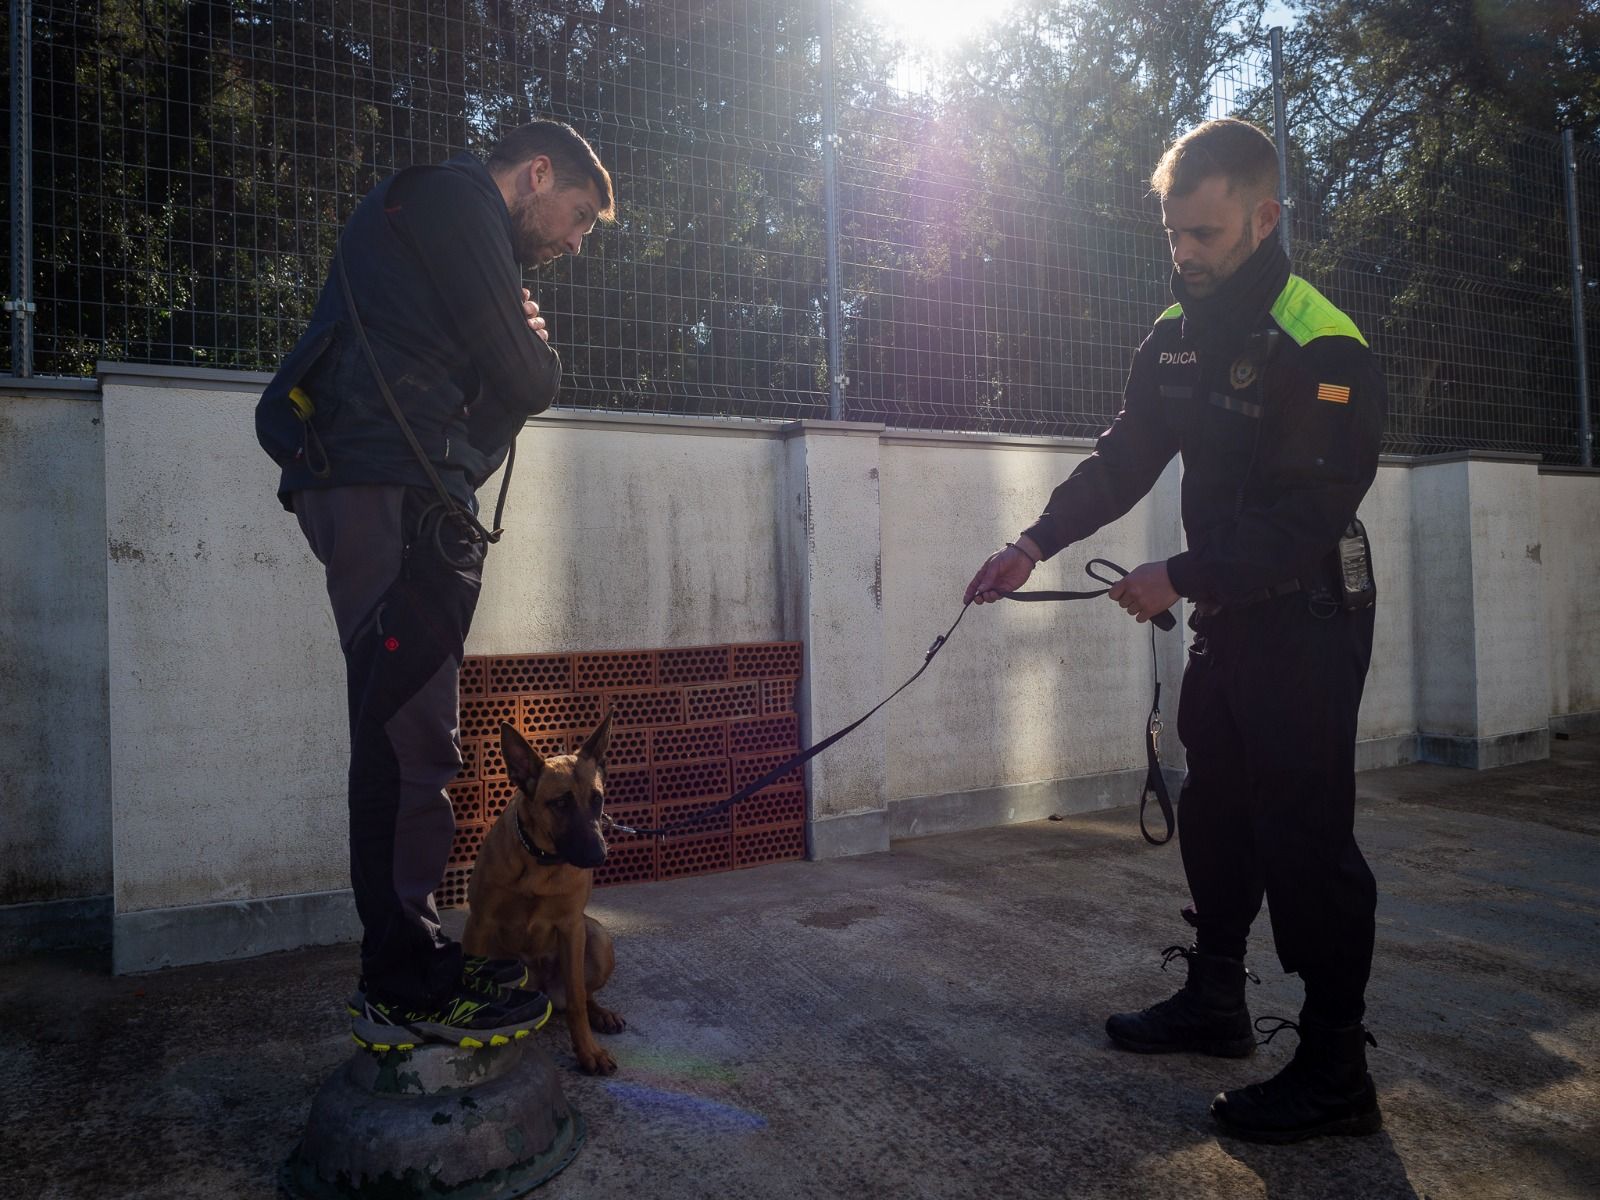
x=464, y=243
x=1128, y=458
x=1311, y=474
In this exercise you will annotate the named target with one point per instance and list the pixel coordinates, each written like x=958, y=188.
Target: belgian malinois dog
x=532, y=882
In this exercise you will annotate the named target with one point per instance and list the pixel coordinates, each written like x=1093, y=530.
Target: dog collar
x=543, y=857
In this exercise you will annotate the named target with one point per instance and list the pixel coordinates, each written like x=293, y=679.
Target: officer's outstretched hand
x=1145, y=591
x=1003, y=571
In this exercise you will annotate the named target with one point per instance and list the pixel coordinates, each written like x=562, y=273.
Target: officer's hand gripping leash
x=1153, y=780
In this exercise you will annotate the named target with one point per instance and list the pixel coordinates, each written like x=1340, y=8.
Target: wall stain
x=877, y=582
x=122, y=551
x=811, y=529
x=1534, y=551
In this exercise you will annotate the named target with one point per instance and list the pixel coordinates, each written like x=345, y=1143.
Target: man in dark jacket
x=1276, y=405
x=423, y=312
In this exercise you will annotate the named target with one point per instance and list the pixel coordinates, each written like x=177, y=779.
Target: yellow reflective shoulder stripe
x=1172, y=314
x=1305, y=314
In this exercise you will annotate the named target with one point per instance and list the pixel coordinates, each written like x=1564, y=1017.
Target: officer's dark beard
x=1222, y=321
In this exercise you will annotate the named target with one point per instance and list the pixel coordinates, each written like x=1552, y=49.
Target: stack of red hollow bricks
x=690, y=726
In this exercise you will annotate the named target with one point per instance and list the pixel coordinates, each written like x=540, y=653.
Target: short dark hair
x=1235, y=150
x=573, y=158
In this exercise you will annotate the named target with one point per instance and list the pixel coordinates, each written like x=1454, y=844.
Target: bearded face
x=549, y=222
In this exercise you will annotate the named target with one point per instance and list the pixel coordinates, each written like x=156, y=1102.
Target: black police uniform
x=1276, y=404
x=430, y=262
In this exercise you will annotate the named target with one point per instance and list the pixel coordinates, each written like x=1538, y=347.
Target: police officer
x=423, y=359
x=1276, y=405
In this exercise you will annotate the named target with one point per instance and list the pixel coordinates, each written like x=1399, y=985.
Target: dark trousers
x=1268, y=718
x=402, y=612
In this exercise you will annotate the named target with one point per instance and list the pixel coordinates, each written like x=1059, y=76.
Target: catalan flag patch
x=1333, y=393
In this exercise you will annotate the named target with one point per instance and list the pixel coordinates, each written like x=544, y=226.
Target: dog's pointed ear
x=595, y=748
x=523, y=764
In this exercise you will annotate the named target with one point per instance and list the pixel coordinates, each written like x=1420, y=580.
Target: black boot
x=1325, y=1090
x=1206, y=1016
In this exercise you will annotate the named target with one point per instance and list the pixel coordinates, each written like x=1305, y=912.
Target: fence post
x=20, y=302
x=1280, y=134
x=830, y=205
x=1569, y=176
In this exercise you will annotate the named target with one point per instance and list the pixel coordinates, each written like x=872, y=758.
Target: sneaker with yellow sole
x=478, y=1014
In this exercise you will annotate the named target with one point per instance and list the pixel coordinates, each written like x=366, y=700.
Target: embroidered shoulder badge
x=1333, y=393
x=1243, y=373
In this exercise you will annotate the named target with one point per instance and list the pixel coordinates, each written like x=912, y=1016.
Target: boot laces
x=1187, y=953
x=1278, y=1025
x=1273, y=1026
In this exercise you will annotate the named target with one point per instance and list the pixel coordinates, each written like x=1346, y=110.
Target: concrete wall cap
x=1460, y=456
x=845, y=428
x=142, y=375
x=986, y=441
x=56, y=386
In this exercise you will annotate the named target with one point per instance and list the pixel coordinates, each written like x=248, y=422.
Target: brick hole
x=753, y=767
x=481, y=718
x=777, y=696
x=614, y=669
x=628, y=787
x=468, y=841
x=698, y=664
x=633, y=862
x=452, y=889
x=670, y=815
x=514, y=674
x=466, y=800
x=694, y=855
x=771, y=806
x=774, y=844
x=550, y=713
x=470, y=751
x=686, y=743
x=687, y=781
x=497, y=796
x=628, y=747
x=766, y=660
x=720, y=702
x=659, y=706
x=473, y=673
x=761, y=734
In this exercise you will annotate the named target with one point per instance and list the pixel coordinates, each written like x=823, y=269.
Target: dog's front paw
x=596, y=1062
x=605, y=1020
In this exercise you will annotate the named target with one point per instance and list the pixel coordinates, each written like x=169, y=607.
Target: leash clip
x=938, y=643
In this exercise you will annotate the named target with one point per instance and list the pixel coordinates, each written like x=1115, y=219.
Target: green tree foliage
x=1004, y=256
x=1431, y=172
x=195, y=160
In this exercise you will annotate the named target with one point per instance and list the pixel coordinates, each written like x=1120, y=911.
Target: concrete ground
x=924, y=1023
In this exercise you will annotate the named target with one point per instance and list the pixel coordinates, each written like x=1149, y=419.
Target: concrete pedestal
x=484, y=1124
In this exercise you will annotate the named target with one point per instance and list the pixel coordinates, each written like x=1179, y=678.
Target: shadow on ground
x=925, y=1023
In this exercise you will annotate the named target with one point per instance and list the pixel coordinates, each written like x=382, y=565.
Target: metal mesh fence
x=1000, y=258
x=1460, y=281
x=1588, y=196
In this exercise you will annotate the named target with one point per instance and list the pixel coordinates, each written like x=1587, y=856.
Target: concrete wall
x=55, y=819
x=1031, y=708
x=1569, y=549
x=172, y=608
